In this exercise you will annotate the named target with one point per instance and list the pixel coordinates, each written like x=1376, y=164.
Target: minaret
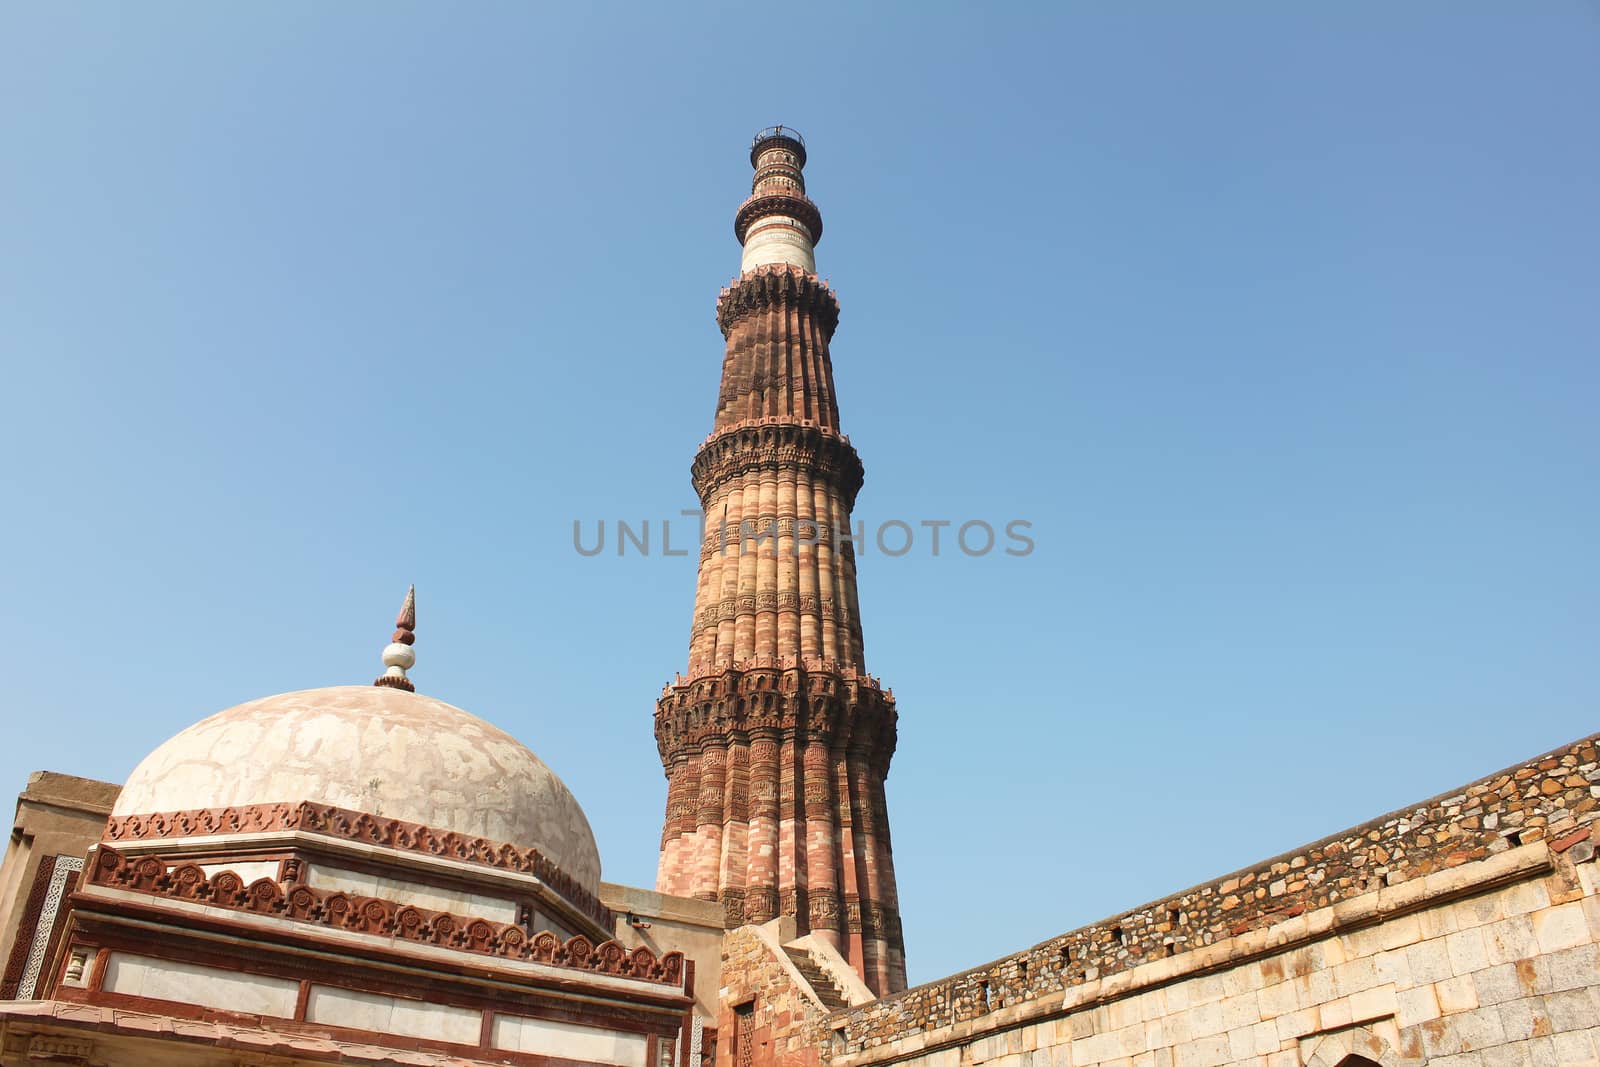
x=776, y=742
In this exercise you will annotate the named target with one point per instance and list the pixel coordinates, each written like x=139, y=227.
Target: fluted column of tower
x=776, y=741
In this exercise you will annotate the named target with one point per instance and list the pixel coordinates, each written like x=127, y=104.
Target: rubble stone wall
x=1463, y=931
x=765, y=1016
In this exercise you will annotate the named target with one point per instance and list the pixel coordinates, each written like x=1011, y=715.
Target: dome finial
x=399, y=657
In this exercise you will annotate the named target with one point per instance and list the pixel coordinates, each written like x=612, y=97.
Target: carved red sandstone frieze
x=778, y=285
x=157, y=876
x=774, y=445
x=359, y=826
x=850, y=713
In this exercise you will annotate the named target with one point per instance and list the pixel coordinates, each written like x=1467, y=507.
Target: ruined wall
x=767, y=1014
x=1461, y=931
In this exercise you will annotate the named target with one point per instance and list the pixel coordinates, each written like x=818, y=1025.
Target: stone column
x=875, y=947
x=735, y=830
x=791, y=827
x=787, y=585
x=821, y=841
x=889, y=893
x=806, y=568
x=744, y=630
x=826, y=587
x=728, y=575
x=708, y=852
x=766, y=621
x=850, y=883
x=761, y=884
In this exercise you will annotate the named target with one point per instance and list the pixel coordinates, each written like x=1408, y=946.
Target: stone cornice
x=155, y=876
x=777, y=444
x=792, y=205
x=844, y=711
x=344, y=824
x=778, y=284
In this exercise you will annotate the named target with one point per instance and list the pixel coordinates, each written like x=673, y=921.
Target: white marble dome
x=377, y=750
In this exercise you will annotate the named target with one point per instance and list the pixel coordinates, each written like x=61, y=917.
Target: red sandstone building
x=363, y=874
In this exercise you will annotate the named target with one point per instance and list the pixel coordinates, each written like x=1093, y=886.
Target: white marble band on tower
x=778, y=223
x=778, y=239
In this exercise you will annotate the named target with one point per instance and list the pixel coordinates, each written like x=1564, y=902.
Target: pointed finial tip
x=399, y=657
x=407, y=619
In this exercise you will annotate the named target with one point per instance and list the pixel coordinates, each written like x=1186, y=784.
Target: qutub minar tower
x=776, y=742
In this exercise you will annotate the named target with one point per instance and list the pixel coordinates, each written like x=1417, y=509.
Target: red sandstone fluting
x=776, y=742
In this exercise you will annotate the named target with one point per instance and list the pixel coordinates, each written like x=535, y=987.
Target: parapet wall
x=1552, y=798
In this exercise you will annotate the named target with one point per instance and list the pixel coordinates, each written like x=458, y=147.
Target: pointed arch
x=1355, y=1047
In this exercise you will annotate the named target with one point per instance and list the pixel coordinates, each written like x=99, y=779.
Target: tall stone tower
x=776, y=742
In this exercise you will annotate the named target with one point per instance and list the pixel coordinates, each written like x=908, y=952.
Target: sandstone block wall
x=1462, y=931
x=1492, y=965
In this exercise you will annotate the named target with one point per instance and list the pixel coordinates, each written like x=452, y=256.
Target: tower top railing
x=777, y=133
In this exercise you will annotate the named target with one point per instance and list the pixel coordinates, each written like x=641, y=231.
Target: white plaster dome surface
x=373, y=749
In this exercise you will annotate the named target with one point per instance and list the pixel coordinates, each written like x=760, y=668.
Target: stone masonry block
x=1206, y=1052
x=1241, y=1046
x=1573, y=968
x=1591, y=906
x=1571, y=1009
x=1374, y=1003
x=1354, y=976
x=1456, y=994
x=1446, y=1037
x=1240, y=1011
x=1436, y=922
x=1275, y=1000
x=1525, y=897
x=1466, y=951
x=1335, y=1014
x=1096, y=1049
x=1505, y=1056
x=1509, y=940
x=1416, y=1006
x=1501, y=983
x=1205, y=1020
x=1314, y=988
x=1577, y=1048
x=1393, y=969
x=1561, y=927
x=1430, y=962
x=1296, y=1024
x=1264, y=1038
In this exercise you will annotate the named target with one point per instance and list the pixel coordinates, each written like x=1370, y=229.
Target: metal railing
x=773, y=132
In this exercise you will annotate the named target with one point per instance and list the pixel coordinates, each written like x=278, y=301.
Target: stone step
x=831, y=995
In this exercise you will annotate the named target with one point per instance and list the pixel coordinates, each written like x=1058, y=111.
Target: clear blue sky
x=1278, y=322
